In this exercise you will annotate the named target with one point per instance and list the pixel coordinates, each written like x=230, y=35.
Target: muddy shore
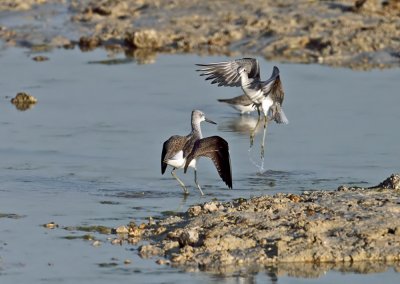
x=356, y=34
x=343, y=226
x=349, y=229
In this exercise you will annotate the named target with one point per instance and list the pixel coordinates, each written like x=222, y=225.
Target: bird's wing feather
x=225, y=73
x=277, y=93
x=217, y=149
x=269, y=83
x=170, y=147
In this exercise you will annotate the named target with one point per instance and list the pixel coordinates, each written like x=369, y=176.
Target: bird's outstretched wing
x=277, y=94
x=170, y=147
x=225, y=73
x=271, y=82
x=217, y=149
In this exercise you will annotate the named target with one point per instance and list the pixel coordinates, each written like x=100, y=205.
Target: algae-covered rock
x=23, y=101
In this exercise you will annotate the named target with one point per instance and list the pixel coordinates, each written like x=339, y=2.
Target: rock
x=40, y=58
x=189, y=237
x=163, y=262
x=170, y=245
x=23, y=98
x=150, y=250
x=211, y=206
x=122, y=230
x=160, y=230
x=23, y=101
x=50, y=225
x=194, y=210
x=146, y=38
x=127, y=261
x=117, y=241
x=392, y=182
x=87, y=43
x=96, y=243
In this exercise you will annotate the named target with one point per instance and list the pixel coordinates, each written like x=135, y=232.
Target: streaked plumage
x=242, y=104
x=245, y=73
x=183, y=152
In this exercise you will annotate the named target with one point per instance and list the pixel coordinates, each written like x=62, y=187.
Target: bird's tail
x=276, y=113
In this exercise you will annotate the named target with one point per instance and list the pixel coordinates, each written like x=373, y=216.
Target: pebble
x=127, y=261
x=40, y=58
x=51, y=225
x=122, y=230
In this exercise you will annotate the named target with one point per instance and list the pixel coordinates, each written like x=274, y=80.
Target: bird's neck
x=196, y=129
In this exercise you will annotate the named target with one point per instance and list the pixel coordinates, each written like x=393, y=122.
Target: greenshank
x=184, y=151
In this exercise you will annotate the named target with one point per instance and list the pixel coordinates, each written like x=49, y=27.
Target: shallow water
x=89, y=154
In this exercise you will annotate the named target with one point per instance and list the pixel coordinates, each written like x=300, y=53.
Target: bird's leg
x=185, y=191
x=253, y=132
x=195, y=181
x=264, y=134
x=258, y=110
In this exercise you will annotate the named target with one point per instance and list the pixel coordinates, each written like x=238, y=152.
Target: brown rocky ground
x=350, y=229
x=358, y=34
x=343, y=226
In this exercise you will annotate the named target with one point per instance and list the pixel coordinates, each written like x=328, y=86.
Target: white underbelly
x=178, y=161
x=266, y=104
x=255, y=96
x=244, y=109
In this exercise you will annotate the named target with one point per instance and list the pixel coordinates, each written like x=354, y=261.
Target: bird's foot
x=201, y=192
x=185, y=191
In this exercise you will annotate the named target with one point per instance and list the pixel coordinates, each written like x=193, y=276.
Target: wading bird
x=184, y=151
x=267, y=96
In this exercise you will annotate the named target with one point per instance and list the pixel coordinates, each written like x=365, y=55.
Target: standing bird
x=242, y=104
x=267, y=96
x=184, y=151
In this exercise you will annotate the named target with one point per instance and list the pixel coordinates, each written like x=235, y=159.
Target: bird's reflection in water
x=248, y=125
x=243, y=124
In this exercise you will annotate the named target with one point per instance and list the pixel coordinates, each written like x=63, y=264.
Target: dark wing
x=225, y=73
x=217, y=149
x=239, y=100
x=277, y=93
x=273, y=86
x=170, y=147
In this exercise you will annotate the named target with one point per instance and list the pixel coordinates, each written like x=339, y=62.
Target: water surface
x=89, y=154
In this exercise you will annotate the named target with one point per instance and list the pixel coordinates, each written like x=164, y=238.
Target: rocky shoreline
x=303, y=235
x=343, y=226
x=360, y=34
x=349, y=229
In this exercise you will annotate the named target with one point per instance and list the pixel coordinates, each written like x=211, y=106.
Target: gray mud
x=355, y=34
x=338, y=228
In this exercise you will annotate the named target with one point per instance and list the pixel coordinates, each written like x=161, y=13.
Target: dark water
x=89, y=154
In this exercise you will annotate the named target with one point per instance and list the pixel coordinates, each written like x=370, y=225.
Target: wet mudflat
x=87, y=154
x=356, y=34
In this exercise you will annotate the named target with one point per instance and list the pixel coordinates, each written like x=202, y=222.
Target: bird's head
x=199, y=116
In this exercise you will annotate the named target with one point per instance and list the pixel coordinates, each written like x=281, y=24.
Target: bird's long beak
x=210, y=121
